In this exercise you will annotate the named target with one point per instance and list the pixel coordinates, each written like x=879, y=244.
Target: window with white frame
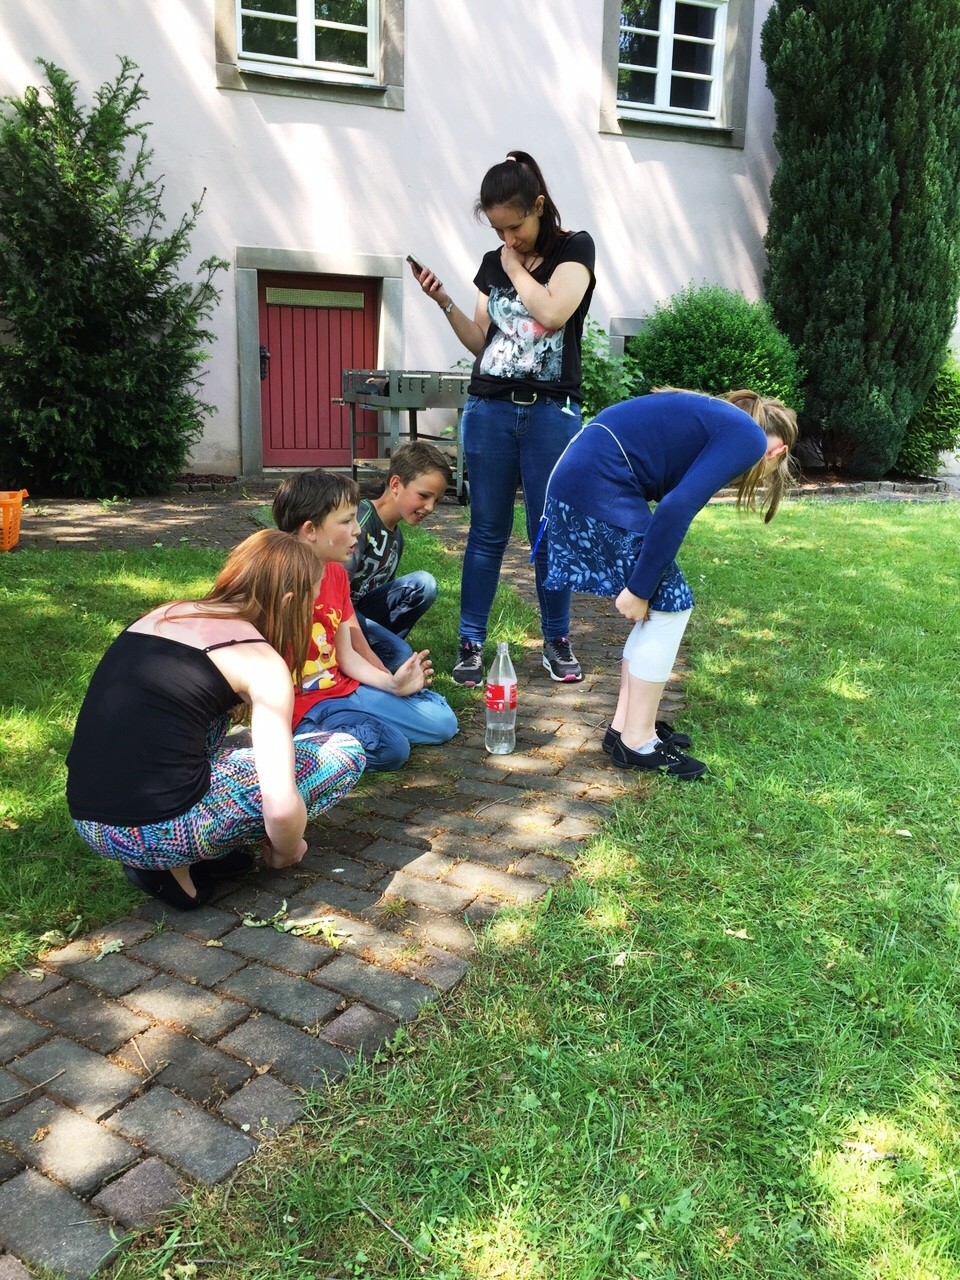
x=671, y=56
x=333, y=40
x=677, y=68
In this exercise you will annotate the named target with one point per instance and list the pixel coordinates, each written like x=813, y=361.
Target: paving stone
x=422, y=925
x=391, y=993
x=17, y=1034
x=543, y=868
x=86, y=1080
x=21, y=988
x=264, y=1104
x=70, y=953
x=291, y=999
x=281, y=882
x=300, y=1059
x=490, y=852
x=254, y=900
x=205, y=922
x=429, y=866
x=519, y=813
x=477, y=879
x=436, y=821
x=360, y=1029
x=114, y=975
x=435, y=967
x=336, y=866
x=196, y=1070
x=10, y=1165
x=183, y=1135
x=47, y=1226
x=479, y=789
x=332, y=837
x=400, y=832
x=12, y=1269
x=65, y=1145
x=531, y=765
x=394, y=806
x=93, y=1019
x=328, y=893
x=283, y=950
x=192, y=1009
x=188, y=957
x=129, y=930
x=483, y=909
x=425, y=893
x=138, y=1198
x=14, y=1094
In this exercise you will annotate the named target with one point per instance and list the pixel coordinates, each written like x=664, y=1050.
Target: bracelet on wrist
x=447, y=309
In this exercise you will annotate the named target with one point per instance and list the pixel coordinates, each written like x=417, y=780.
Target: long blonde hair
x=775, y=419
x=269, y=580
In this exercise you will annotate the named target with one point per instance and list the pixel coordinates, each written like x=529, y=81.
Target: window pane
x=286, y=7
x=263, y=35
x=694, y=20
x=697, y=58
x=353, y=12
x=346, y=48
x=640, y=13
x=636, y=86
x=638, y=51
x=692, y=95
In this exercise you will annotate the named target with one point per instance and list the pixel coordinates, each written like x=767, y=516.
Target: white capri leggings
x=651, y=648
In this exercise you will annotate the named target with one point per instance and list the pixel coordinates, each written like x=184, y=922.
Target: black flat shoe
x=662, y=759
x=665, y=732
x=163, y=886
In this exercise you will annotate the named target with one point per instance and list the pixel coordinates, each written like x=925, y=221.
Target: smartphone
x=415, y=263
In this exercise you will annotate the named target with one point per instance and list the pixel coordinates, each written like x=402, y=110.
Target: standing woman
x=148, y=783
x=524, y=396
x=674, y=448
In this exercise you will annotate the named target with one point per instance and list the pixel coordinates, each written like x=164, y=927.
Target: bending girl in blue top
x=676, y=449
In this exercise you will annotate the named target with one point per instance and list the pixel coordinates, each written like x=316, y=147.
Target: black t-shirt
x=139, y=752
x=519, y=353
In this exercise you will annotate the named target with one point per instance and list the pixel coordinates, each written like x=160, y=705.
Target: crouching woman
x=149, y=783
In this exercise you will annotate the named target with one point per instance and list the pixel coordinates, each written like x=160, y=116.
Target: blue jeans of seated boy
x=384, y=724
x=399, y=603
x=504, y=443
x=390, y=649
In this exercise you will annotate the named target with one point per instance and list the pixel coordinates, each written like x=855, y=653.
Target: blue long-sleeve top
x=673, y=448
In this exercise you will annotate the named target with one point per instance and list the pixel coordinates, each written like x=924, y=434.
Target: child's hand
x=276, y=860
x=415, y=674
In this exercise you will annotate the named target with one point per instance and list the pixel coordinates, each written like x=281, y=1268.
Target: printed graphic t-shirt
x=322, y=678
x=519, y=353
x=377, y=553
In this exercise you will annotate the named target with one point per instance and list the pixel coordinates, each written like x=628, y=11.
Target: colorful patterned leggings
x=328, y=765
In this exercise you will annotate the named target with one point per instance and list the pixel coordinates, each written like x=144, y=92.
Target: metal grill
x=392, y=390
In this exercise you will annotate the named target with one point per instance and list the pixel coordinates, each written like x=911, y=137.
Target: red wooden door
x=313, y=327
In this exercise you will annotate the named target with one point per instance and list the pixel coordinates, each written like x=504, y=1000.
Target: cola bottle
x=501, y=736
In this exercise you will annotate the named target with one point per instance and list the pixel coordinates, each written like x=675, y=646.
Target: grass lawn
x=728, y=1048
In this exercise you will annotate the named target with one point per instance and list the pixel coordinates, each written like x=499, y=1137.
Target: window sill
x=707, y=135
x=230, y=76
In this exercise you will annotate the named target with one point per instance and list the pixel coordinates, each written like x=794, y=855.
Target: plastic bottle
x=501, y=736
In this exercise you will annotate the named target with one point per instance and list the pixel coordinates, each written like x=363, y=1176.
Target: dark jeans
x=504, y=443
x=387, y=614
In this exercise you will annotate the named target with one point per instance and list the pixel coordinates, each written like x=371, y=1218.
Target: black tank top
x=139, y=747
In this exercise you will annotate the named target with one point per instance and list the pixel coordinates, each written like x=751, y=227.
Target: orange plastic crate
x=11, y=505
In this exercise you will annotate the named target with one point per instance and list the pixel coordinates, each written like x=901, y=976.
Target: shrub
x=936, y=428
x=709, y=339
x=863, y=241
x=99, y=364
x=605, y=379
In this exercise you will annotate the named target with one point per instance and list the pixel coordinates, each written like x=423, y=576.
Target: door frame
x=385, y=268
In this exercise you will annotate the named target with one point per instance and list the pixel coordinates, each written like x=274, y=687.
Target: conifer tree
x=863, y=242
x=103, y=341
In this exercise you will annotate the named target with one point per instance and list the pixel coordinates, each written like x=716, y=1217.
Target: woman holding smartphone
x=524, y=398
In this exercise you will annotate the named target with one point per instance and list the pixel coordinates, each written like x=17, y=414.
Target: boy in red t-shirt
x=345, y=687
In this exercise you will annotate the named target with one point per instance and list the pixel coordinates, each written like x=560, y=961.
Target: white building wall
x=302, y=174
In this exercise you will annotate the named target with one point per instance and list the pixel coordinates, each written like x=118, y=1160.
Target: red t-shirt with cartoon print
x=322, y=678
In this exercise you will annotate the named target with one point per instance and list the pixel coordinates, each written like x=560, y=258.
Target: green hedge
x=935, y=429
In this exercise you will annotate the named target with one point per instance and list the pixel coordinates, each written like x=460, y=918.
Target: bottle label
x=501, y=697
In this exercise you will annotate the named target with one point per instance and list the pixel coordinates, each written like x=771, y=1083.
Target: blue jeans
x=505, y=442
x=387, y=614
x=384, y=724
